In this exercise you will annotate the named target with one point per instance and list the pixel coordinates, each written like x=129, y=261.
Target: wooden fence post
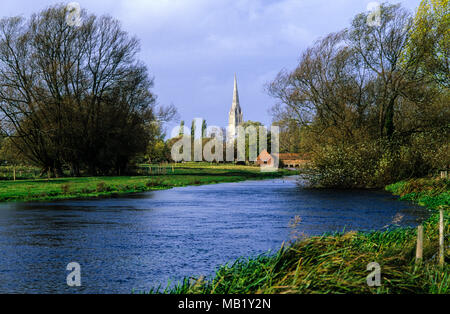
x=441, y=237
x=14, y=173
x=419, y=249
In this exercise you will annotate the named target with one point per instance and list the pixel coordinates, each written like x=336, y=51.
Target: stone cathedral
x=236, y=117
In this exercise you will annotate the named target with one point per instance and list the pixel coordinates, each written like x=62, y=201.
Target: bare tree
x=74, y=95
x=328, y=90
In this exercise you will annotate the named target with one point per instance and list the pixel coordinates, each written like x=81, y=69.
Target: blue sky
x=194, y=47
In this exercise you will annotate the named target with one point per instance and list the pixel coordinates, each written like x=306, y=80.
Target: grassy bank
x=157, y=178
x=337, y=263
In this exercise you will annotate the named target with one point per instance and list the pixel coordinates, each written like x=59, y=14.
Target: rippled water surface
x=143, y=240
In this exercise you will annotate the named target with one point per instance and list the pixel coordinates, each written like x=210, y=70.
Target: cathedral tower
x=236, y=118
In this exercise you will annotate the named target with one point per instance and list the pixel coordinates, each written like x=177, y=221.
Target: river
x=143, y=240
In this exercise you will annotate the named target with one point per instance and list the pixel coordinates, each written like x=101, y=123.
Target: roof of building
x=289, y=156
x=264, y=155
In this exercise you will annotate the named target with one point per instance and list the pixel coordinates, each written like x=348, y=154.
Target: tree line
x=370, y=103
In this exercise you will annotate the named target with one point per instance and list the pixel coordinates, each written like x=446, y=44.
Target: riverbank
x=158, y=178
x=337, y=263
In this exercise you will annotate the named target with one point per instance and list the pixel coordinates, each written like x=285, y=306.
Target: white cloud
x=218, y=28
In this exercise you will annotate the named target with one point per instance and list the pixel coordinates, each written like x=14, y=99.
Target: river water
x=141, y=241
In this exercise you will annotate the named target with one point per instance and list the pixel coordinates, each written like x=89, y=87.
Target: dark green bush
x=344, y=166
x=376, y=163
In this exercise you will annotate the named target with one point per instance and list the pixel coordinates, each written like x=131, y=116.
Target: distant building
x=292, y=160
x=236, y=117
x=265, y=159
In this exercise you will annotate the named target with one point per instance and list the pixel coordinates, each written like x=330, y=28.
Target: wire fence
x=19, y=173
x=10, y=173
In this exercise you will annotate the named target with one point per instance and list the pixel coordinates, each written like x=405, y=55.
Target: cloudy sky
x=194, y=47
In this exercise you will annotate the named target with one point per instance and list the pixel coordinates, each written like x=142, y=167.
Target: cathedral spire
x=236, y=104
x=236, y=118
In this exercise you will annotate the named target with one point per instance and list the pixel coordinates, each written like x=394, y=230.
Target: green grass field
x=156, y=178
x=338, y=263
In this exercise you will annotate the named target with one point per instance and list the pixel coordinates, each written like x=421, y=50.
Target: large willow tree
x=371, y=102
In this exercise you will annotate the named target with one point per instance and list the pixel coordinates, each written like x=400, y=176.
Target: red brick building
x=265, y=159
